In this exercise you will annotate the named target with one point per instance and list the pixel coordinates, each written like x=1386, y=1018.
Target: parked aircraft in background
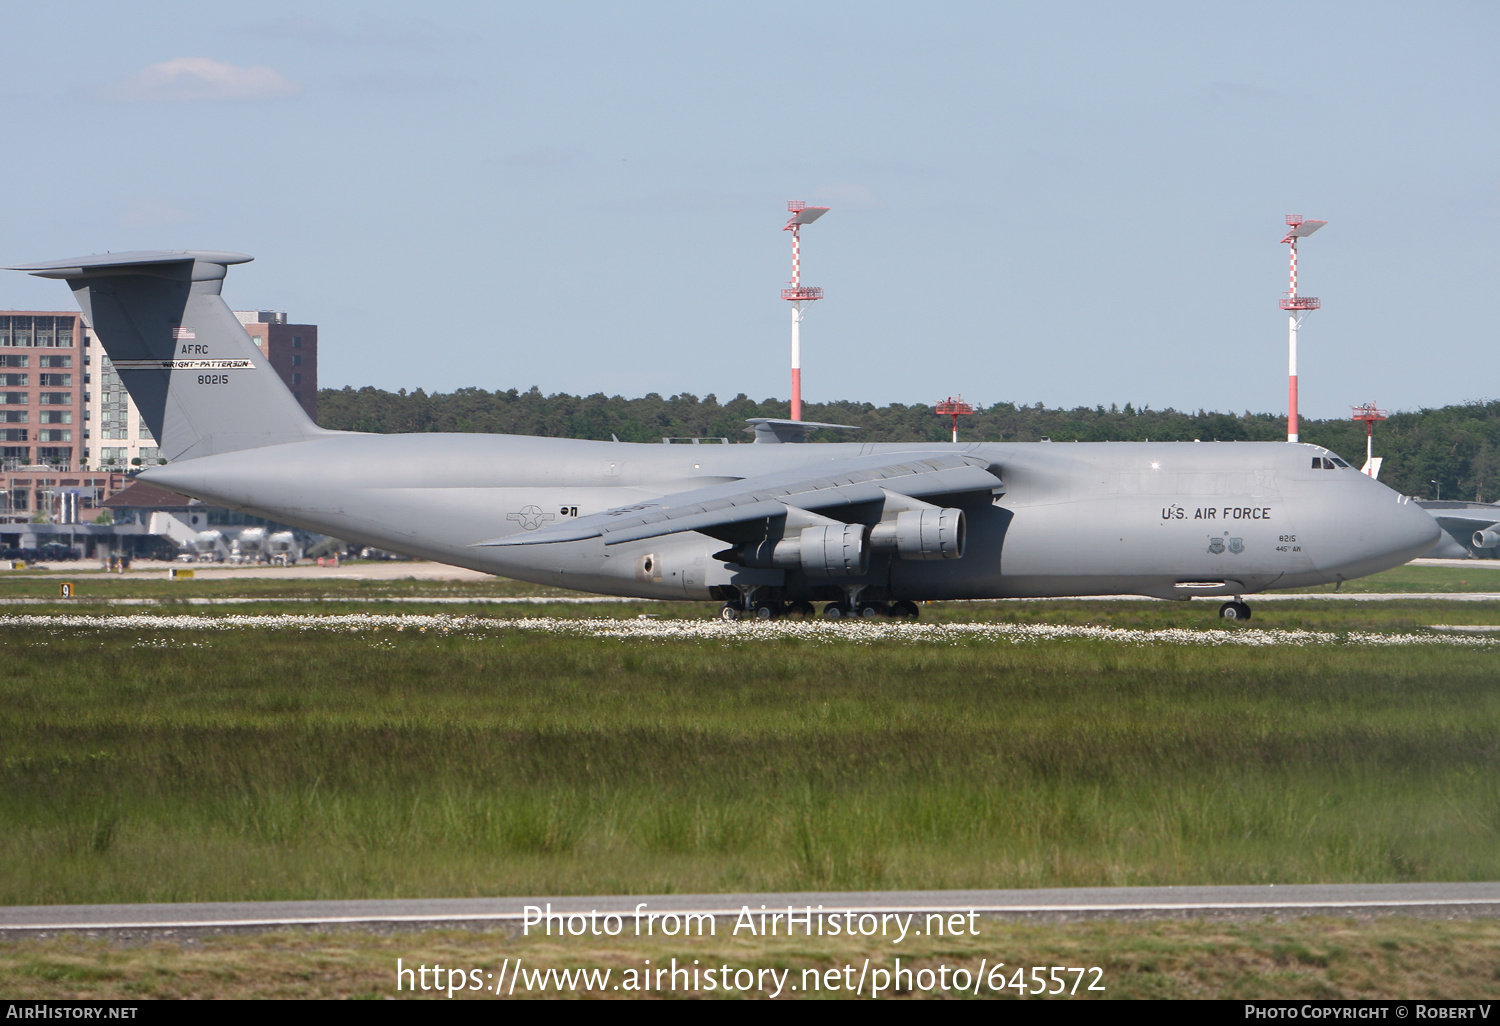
x=1468, y=529
x=869, y=529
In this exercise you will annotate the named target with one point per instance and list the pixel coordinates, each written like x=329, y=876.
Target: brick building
x=44, y=376
x=292, y=349
x=44, y=426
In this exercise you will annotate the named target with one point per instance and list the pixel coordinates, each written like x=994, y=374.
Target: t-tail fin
x=199, y=382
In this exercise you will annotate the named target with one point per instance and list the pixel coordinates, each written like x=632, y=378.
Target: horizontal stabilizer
x=174, y=264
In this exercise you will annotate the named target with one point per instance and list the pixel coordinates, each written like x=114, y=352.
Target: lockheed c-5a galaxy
x=770, y=528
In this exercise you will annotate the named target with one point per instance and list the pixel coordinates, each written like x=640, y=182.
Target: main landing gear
x=902, y=610
x=765, y=610
x=768, y=611
x=1236, y=610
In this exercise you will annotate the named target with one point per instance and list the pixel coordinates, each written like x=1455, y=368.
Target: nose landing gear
x=1236, y=610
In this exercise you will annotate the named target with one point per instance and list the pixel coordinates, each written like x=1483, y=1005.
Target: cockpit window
x=1340, y=463
x=1328, y=463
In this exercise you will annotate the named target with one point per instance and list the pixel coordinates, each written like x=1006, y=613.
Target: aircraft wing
x=1474, y=525
x=845, y=483
x=1460, y=522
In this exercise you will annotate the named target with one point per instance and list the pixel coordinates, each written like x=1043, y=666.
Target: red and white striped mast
x=1296, y=307
x=1368, y=413
x=798, y=293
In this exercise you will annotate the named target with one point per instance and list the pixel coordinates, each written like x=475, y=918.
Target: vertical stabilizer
x=200, y=383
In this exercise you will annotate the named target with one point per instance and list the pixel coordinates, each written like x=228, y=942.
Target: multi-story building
x=119, y=436
x=45, y=385
x=122, y=439
x=44, y=374
x=292, y=349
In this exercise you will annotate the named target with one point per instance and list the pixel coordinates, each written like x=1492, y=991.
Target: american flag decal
x=181, y=333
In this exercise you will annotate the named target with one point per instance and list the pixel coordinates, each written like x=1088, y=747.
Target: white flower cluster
x=816, y=631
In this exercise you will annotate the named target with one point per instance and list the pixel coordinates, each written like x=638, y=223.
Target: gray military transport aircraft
x=768, y=529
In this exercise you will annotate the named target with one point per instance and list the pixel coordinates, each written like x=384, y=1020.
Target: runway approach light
x=955, y=407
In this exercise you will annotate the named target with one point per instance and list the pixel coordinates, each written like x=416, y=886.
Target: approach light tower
x=955, y=407
x=1369, y=414
x=1296, y=307
x=799, y=293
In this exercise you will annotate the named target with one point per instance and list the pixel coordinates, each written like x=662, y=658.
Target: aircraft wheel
x=729, y=613
x=1234, y=611
x=905, y=610
x=766, y=611
x=834, y=611
x=802, y=610
x=872, y=610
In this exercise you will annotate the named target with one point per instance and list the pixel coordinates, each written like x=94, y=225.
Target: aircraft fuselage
x=1166, y=519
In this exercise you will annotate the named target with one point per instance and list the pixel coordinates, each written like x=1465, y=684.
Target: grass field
x=176, y=765
x=1314, y=959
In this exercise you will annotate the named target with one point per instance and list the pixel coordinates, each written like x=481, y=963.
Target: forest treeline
x=1458, y=447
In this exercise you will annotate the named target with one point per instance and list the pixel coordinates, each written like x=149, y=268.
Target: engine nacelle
x=837, y=551
x=922, y=534
x=1486, y=539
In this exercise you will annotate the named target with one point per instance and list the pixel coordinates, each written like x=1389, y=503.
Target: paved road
x=1462, y=564
x=1444, y=900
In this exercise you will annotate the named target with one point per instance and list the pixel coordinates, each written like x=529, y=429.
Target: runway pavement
x=1431, y=900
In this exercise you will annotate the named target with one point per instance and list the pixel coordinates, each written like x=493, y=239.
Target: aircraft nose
x=1404, y=531
x=1378, y=530
x=1414, y=530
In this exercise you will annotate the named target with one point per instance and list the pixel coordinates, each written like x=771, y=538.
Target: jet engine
x=930, y=533
x=1486, y=539
x=837, y=551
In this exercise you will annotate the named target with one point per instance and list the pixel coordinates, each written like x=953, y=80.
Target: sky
x=1064, y=203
